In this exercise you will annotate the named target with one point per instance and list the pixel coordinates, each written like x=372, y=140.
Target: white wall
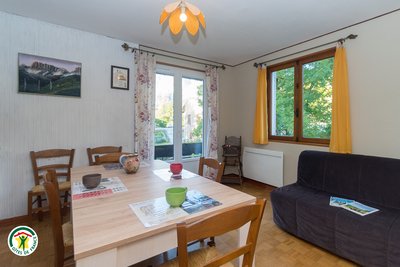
x=374, y=81
x=102, y=116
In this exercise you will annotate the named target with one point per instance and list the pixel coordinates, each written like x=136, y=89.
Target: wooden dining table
x=107, y=232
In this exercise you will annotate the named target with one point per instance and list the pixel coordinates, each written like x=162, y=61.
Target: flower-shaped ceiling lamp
x=181, y=12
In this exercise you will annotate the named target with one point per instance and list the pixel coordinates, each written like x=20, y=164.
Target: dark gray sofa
x=303, y=209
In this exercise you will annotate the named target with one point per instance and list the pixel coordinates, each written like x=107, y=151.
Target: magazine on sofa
x=352, y=206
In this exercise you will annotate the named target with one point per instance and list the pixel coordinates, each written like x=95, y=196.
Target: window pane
x=164, y=117
x=192, y=118
x=317, y=98
x=282, y=108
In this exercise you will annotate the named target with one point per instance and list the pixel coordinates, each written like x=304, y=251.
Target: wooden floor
x=275, y=247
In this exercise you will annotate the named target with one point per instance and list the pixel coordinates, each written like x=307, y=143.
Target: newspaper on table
x=352, y=206
x=156, y=211
x=107, y=186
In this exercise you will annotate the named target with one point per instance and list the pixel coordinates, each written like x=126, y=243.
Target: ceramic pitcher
x=130, y=162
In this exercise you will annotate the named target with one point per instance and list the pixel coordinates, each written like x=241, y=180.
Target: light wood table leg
x=104, y=259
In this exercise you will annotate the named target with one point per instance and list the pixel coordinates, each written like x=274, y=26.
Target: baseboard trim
x=248, y=180
x=19, y=220
x=234, y=179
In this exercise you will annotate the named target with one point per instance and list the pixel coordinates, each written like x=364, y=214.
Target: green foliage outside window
x=317, y=99
x=315, y=93
x=285, y=102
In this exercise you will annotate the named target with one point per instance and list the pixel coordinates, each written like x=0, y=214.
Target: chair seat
x=67, y=234
x=63, y=186
x=198, y=258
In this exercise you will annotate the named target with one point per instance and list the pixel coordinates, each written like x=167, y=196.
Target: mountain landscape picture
x=49, y=76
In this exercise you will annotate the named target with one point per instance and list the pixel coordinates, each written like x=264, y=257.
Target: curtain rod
x=341, y=40
x=179, y=66
x=126, y=47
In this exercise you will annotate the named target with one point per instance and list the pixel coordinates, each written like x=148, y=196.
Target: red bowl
x=176, y=168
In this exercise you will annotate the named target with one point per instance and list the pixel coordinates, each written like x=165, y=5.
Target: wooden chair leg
x=211, y=243
x=40, y=213
x=30, y=200
x=240, y=172
x=65, y=204
x=66, y=194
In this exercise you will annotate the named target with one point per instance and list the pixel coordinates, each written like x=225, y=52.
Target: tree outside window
x=300, y=99
x=179, y=112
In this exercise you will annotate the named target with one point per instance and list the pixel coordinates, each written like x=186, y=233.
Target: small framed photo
x=119, y=78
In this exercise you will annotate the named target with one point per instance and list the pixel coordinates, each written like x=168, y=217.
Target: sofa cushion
x=316, y=220
x=311, y=168
x=380, y=181
x=394, y=245
x=283, y=201
x=337, y=174
x=364, y=239
x=342, y=175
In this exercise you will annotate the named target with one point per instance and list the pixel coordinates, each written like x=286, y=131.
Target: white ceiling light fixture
x=180, y=13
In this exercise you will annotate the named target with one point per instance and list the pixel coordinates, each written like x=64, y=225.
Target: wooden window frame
x=297, y=64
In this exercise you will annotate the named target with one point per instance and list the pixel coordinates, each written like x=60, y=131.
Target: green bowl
x=175, y=196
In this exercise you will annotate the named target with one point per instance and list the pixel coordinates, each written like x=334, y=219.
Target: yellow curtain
x=341, y=129
x=260, y=132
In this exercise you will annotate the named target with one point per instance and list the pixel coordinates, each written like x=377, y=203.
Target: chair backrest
x=51, y=177
x=98, y=151
x=109, y=158
x=212, y=226
x=232, y=146
x=212, y=164
x=55, y=213
x=60, y=160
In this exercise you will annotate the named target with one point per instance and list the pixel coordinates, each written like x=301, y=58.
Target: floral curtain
x=144, y=104
x=212, y=108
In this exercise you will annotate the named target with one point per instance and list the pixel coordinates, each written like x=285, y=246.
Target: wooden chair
x=98, y=151
x=62, y=233
x=215, y=172
x=232, y=153
x=213, y=164
x=232, y=219
x=60, y=160
x=108, y=158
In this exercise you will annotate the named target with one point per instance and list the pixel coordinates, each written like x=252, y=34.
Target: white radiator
x=263, y=165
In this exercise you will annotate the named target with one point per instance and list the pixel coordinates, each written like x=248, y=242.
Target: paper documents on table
x=107, y=186
x=156, y=211
x=352, y=206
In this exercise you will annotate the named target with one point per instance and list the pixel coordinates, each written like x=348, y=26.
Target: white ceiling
x=236, y=30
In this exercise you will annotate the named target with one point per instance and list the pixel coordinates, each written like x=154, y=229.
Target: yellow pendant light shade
x=192, y=23
x=182, y=13
x=175, y=24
